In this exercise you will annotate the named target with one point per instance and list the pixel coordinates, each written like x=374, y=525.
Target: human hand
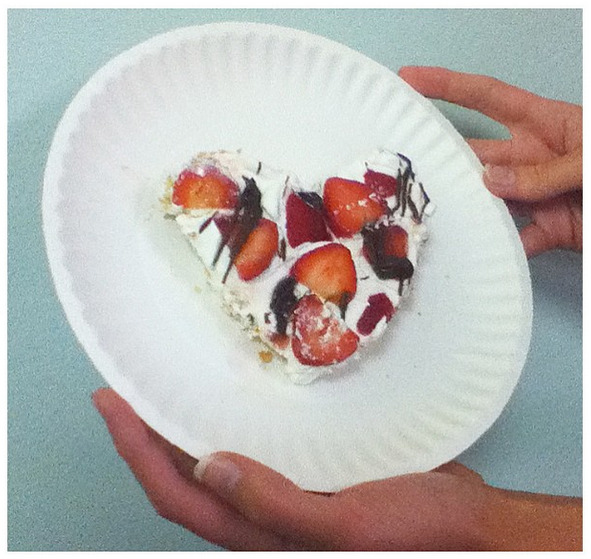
x=242, y=505
x=539, y=170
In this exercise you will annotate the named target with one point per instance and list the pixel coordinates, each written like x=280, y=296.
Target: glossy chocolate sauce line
x=245, y=219
x=313, y=199
x=282, y=249
x=205, y=224
x=283, y=301
x=406, y=180
x=402, y=181
x=384, y=265
x=426, y=199
x=411, y=204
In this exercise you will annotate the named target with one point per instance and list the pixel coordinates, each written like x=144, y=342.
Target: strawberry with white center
x=350, y=205
x=320, y=336
x=209, y=189
x=329, y=272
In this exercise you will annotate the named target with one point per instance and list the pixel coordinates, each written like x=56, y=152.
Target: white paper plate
x=130, y=285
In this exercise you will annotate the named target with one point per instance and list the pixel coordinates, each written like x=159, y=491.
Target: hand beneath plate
x=539, y=170
x=242, y=505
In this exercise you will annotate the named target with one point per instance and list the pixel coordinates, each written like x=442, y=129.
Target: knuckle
x=531, y=182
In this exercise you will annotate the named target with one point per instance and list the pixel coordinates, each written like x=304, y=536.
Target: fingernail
x=217, y=473
x=499, y=180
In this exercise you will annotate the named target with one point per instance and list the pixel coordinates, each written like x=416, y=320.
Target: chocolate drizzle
x=206, y=223
x=246, y=217
x=282, y=249
x=412, y=206
x=405, y=181
x=313, y=199
x=426, y=199
x=283, y=301
x=385, y=266
x=402, y=185
x=344, y=303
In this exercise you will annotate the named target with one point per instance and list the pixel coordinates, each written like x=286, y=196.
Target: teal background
x=67, y=488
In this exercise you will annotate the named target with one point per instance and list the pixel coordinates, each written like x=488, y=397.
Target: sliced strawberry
x=305, y=219
x=320, y=336
x=350, y=205
x=329, y=272
x=386, y=248
x=396, y=241
x=211, y=189
x=258, y=251
x=388, y=240
x=378, y=306
x=382, y=184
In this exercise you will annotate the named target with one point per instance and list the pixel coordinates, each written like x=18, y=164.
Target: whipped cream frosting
x=249, y=302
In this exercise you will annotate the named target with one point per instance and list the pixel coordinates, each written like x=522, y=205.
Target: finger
x=493, y=152
x=536, y=182
x=492, y=97
x=519, y=210
x=137, y=446
x=269, y=499
x=555, y=224
x=536, y=240
x=183, y=462
x=508, y=153
x=457, y=469
x=172, y=495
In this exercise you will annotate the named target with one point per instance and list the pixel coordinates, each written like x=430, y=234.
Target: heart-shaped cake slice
x=315, y=271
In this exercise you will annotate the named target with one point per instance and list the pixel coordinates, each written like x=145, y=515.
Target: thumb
x=536, y=182
x=265, y=497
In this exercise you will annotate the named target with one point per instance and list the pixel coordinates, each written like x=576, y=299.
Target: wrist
x=520, y=521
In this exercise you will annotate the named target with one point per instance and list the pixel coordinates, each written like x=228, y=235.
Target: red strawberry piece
x=329, y=272
x=395, y=241
x=210, y=190
x=258, y=251
x=378, y=306
x=382, y=184
x=320, y=336
x=350, y=205
x=305, y=221
x=386, y=247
